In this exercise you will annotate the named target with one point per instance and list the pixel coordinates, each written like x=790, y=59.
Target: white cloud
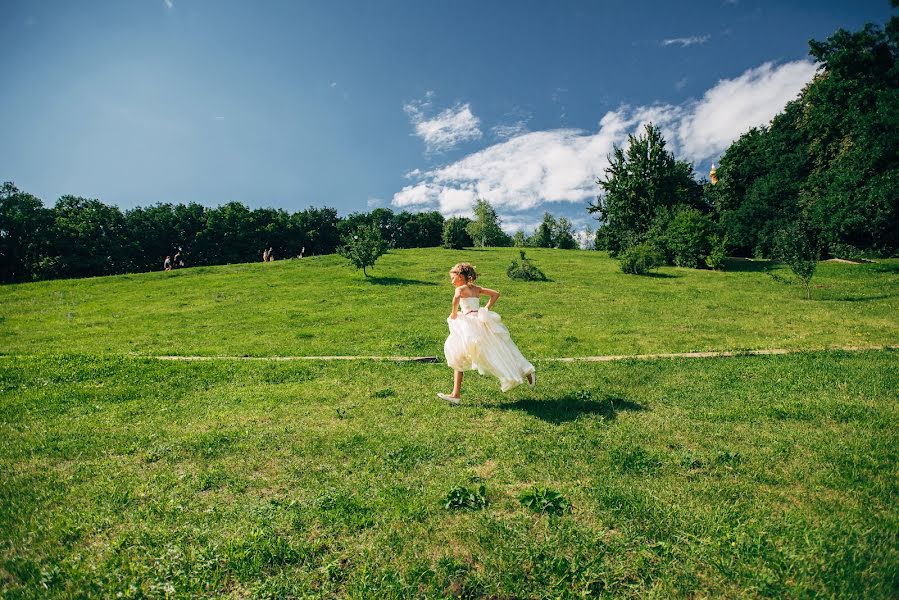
x=447, y=129
x=374, y=202
x=734, y=106
x=505, y=132
x=561, y=165
x=333, y=84
x=169, y=3
x=687, y=41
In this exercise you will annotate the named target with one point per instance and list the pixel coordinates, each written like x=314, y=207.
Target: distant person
x=180, y=261
x=168, y=263
x=265, y=255
x=177, y=262
x=479, y=340
x=271, y=254
x=302, y=251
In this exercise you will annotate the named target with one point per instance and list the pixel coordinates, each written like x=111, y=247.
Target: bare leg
x=457, y=383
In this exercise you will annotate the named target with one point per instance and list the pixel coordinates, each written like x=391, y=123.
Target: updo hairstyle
x=466, y=270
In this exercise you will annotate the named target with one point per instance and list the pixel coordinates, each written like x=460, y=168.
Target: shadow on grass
x=886, y=268
x=659, y=275
x=746, y=265
x=570, y=407
x=859, y=298
x=396, y=281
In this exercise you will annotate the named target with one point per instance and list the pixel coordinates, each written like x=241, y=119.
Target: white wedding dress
x=479, y=340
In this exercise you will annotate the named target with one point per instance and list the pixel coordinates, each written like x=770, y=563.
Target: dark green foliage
x=797, y=245
x=639, y=259
x=833, y=153
x=363, y=247
x=717, y=252
x=525, y=270
x=463, y=498
x=544, y=500
x=455, y=233
x=485, y=229
x=82, y=237
x=639, y=182
x=25, y=233
x=686, y=237
x=520, y=240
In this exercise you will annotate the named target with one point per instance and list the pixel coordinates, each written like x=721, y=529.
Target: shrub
x=639, y=259
x=688, y=237
x=525, y=270
x=715, y=259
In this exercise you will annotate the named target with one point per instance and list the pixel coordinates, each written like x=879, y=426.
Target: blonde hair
x=466, y=270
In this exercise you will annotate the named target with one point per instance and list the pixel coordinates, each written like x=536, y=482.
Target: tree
x=363, y=247
x=545, y=234
x=25, y=229
x=520, y=240
x=797, y=246
x=564, y=235
x=639, y=181
x=485, y=229
x=455, y=233
x=88, y=239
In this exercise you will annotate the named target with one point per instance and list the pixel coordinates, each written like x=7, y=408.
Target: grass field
x=319, y=306
x=757, y=476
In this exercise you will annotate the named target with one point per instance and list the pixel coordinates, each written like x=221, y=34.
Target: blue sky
x=409, y=105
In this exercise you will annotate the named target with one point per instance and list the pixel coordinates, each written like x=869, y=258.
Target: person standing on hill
x=479, y=340
x=167, y=265
x=265, y=255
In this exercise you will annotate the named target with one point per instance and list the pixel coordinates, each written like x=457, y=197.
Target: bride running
x=479, y=340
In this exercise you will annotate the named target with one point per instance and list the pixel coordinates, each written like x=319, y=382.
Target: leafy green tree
x=485, y=229
x=25, y=230
x=520, y=240
x=363, y=247
x=639, y=181
x=564, y=238
x=88, y=239
x=798, y=247
x=545, y=234
x=455, y=233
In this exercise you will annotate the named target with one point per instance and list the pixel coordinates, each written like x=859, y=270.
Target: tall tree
x=640, y=180
x=485, y=229
x=25, y=229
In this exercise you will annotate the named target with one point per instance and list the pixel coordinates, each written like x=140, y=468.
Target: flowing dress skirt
x=479, y=341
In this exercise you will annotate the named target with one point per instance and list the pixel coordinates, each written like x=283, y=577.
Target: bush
x=525, y=270
x=639, y=259
x=688, y=237
x=715, y=259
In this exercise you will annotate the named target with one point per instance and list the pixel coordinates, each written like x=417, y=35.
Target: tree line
x=822, y=179
x=82, y=237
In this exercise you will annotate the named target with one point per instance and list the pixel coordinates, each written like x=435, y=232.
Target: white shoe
x=451, y=399
x=532, y=381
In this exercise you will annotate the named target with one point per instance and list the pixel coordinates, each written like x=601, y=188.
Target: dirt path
x=608, y=358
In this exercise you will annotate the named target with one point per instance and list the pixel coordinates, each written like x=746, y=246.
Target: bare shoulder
x=487, y=292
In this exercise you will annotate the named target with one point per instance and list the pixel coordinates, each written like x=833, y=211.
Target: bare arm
x=455, y=304
x=494, y=296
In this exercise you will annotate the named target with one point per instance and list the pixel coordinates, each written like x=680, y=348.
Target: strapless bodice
x=467, y=304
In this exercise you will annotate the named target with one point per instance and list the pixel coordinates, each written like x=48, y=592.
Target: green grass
x=757, y=476
x=318, y=306
x=752, y=476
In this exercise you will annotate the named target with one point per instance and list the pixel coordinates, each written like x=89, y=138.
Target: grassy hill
x=121, y=474
x=318, y=306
